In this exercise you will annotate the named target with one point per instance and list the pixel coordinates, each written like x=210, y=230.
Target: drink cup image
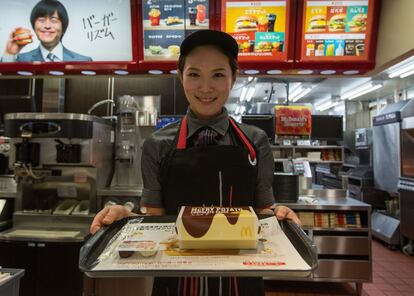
x=154, y=17
x=192, y=15
x=271, y=17
x=201, y=13
x=360, y=49
x=251, y=45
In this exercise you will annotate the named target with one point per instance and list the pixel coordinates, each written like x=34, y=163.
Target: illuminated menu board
x=336, y=30
x=259, y=27
x=167, y=22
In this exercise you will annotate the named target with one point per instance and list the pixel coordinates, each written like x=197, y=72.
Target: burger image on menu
x=246, y=23
x=317, y=23
x=358, y=23
x=337, y=23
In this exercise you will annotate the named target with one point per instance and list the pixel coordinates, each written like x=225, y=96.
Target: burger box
x=217, y=228
x=142, y=255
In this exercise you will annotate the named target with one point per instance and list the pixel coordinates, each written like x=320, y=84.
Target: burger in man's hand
x=22, y=36
x=337, y=23
x=246, y=23
x=317, y=23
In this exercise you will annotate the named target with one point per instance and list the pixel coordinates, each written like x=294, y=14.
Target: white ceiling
x=324, y=87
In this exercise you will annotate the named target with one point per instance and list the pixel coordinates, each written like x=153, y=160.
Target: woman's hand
x=108, y=215
x=282, y=212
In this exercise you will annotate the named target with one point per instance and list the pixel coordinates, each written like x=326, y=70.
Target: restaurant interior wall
x=395, y=35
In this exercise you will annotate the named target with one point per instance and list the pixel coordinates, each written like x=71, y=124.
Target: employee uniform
x=234, y=170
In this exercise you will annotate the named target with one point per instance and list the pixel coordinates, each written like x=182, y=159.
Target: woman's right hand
x=108, y=215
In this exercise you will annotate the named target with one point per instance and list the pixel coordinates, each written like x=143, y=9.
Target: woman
x=207, y=158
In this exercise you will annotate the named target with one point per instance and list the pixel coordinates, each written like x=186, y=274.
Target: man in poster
x=49, y=20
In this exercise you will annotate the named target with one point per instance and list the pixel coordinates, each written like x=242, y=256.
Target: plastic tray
x=10, y=287
x=93, y=248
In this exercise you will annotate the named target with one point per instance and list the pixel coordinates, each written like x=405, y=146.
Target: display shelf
x=344, y=253
x=329, y=154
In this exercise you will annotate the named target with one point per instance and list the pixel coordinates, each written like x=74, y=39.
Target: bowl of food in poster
x=154, y=16
x=337, y=23
x=358, y=23
x=317, y=23
x=246, y=23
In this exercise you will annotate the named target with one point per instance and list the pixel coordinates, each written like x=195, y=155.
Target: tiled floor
x=393, y=275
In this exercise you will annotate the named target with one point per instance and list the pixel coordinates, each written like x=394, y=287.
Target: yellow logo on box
x=246, y=232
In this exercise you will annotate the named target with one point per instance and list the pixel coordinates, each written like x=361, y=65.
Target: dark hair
x=232, y=61
x=48, y=8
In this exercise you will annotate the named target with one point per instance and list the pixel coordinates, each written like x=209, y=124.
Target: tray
x=90, y=255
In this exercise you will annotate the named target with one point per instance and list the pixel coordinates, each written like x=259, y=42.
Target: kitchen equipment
x=59, y=160
x=387, y=142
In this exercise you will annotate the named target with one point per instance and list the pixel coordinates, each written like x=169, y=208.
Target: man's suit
x=36, y=55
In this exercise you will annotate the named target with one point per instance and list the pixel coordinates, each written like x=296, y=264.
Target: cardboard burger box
x=217, y=228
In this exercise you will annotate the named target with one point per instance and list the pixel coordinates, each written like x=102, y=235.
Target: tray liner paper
x=274, y=252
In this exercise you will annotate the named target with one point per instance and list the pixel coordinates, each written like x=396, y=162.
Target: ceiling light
x=328, y=106
x=251, y=72
x=155, y=72
x=300, y=95
x=250, y=93
x=406, y=74
x=351, y=72
x=250, y=79
x=359, y=91
x=88, y=72
x=56, y=73
x=175, y=72
x=274, y=72
x=328, y=72
x=25, y=73
x=400, y=68
x=305, y=72
x=121, y=72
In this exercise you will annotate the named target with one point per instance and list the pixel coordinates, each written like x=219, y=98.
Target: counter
x=344, y=251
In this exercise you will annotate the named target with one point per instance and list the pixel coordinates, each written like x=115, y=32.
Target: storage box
x=217, y=228
x=10, y=286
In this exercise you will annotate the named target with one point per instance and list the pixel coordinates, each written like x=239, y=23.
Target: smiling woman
x=207, y=158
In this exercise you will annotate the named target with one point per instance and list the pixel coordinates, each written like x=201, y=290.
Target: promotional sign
x=65, y=31
x=293, y=120
x=259, y=28
x=336, y=30
x=167, y=22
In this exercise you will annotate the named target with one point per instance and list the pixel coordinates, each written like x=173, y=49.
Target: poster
x=293, y=120
x=259, y=28
x=81, y=31
x=335, y=30
x=167, y=22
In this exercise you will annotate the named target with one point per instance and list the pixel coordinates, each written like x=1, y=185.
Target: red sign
x=293, y=120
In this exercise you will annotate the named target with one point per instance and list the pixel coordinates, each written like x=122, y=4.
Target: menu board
x=293, y=120
x=167, y=22
x=336, y=30
x=75, y=31
x=259, y=28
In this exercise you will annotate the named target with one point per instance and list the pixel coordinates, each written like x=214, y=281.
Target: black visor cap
x=210, y=37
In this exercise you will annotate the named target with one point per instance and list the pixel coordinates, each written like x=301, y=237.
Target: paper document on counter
x=274, y=251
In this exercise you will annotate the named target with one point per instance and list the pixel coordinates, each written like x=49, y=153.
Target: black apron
x=218, y=175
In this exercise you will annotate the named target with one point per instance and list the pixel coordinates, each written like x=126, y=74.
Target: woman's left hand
x=283, y=212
